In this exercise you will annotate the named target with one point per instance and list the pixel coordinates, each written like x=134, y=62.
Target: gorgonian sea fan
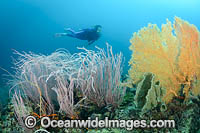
x=172, y=53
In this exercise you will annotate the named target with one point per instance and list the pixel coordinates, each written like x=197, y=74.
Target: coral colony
x=171, y=54
x=43, y=81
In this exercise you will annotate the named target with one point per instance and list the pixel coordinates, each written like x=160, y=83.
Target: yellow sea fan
x=173, y=56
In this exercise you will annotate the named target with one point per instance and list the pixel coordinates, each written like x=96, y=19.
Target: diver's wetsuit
x=90, y=34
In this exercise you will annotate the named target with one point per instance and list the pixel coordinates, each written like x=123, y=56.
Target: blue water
x=30, y=25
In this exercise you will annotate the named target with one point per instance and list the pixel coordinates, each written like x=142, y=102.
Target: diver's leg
x=69, y=30
x=60, y=34
x=72, y=32
x=65, y=34
x=71, y=35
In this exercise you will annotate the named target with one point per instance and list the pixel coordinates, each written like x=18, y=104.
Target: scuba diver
x=90, y=34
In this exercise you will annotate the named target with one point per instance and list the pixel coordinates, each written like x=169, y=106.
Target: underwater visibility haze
x=133, y=59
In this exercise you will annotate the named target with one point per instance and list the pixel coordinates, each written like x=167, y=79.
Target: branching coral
x=64, y=89
x=21, y=111
x=45, y=81
x=36, y=75
x=99, y=77
x=172, y=54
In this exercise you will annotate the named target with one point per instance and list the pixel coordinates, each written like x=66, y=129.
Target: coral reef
x=172, y=54
x=163, y=84
x=8, y=123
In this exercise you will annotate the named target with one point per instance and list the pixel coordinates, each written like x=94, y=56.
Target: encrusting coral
x=172, y=54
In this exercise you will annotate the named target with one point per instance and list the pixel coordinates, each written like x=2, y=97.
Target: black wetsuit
x=91, y=35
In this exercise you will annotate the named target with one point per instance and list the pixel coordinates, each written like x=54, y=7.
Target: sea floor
x=186, y=116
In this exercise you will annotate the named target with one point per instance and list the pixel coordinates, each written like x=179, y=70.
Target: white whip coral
x=46, y=81
x=99, y=76
x=35, y=77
